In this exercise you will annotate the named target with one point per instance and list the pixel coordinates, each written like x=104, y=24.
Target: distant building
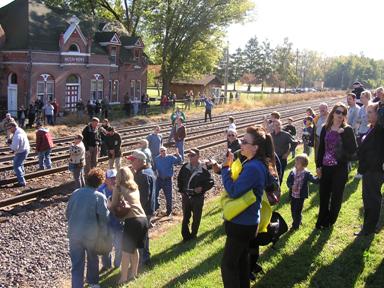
x=48, y=53
x=210, y=85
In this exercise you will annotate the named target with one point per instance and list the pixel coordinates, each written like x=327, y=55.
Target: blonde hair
x=367, y=94
x=125, y=179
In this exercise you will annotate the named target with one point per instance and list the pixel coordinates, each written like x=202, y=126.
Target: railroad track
x=296, y=113
x=62, y=152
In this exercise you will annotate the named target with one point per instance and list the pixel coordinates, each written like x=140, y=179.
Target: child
x=308, y=136
x=291, y=130
x=297, y=183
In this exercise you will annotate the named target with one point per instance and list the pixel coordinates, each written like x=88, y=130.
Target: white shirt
x=232, y=126
x=20, y=142
x=48, y=109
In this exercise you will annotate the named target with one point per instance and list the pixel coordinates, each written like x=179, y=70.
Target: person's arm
x=349, y=141
x=181, y=179
x=248, y=179
x=312, y=179
x=290, y=180
x=85, y=138
x=321, y=150
x=207, y=182
x=176, y=159
x=38, y=141
x=102, y=210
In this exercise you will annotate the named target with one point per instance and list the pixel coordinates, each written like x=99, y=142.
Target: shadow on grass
x=376, y=279
x=179, y=248
x=345, y=269
x=286, y=273
x=207, y=266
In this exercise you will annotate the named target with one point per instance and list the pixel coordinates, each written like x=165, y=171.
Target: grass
x=304, y=258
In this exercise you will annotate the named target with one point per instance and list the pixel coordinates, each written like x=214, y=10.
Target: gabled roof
x=204, y=80
x=131, y=41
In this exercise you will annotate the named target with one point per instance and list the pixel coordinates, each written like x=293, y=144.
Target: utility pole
x=226, y=72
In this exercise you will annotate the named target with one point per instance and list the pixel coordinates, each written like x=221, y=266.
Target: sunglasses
x=231, y=135
x=338, y=112
x=192, y=155
x=245, y=142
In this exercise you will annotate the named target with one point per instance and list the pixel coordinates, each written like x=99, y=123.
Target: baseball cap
x=194, y=151
x=137, y=155
x=111, y=173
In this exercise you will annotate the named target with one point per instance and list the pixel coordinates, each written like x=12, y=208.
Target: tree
x=129, y=13
x=266, y=62
x=179, y=26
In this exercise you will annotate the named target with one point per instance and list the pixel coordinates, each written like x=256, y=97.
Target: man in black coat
x=91, y=140
x=193, y=181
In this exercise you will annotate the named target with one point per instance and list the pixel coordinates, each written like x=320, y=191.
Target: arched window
x=12, y=79
x=74, y=48
x=73, y=79
x=97, y=87
x=45, y=88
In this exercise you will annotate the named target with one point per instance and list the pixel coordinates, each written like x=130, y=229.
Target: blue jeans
x=18, y=166
x=117, y=236
x=49, y=119
x=45, y=159
x=166, y=185
x=180, y=148
x=77, y=251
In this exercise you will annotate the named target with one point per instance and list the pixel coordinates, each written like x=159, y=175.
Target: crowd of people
x=114, y=208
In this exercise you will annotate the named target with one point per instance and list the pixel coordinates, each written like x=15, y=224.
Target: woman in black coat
x=336, y=148
x=371, y=159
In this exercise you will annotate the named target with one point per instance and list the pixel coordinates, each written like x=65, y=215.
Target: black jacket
x=146, y=181
x=371, y=152
x=187, y=180
x=113, y=142
x=91, y=137
x=344, y=153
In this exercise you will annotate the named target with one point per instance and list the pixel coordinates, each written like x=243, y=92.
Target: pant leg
x=93, y=156
x=106, y=260
x=210, y=116
x=180, y=148
x=41, y=159
x=325, y=194
x=187, y=210
x=159, y=183
x=340, y=176
x=205, y=116
x=283, y=163
x=47, y=159
x=77, y=255
x=372, y=197
x=296, y=209
x=78, y=177
x=92, y=267
x=197, y=210
x=167, y=188
x=18, y=166
x=117, y=242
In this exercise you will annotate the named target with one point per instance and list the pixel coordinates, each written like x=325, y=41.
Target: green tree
x=266, y=62
x=177, y=26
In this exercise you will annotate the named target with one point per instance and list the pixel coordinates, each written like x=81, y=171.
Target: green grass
x=304, y=258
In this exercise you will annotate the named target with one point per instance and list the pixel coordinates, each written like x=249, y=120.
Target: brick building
x=49, y=53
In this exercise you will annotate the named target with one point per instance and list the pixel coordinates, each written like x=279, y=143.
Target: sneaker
x=358, y=176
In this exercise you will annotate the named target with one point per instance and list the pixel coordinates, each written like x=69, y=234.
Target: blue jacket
x=252, y=177
x=154, y=143
x=83, y=206
x=208, y=104
x=164, y=165
x=114, y=222
x=304, y=188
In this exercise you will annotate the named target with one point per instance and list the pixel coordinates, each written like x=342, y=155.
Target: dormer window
x=74, y=48
x=113, y=55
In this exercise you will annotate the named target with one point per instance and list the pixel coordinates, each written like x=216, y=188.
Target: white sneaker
x=358, y=176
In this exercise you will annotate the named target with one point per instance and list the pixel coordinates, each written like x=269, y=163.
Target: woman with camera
x=255, y=147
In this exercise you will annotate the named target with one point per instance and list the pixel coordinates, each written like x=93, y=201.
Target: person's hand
x=229, y=159
x=318, y=172
x=198, y=189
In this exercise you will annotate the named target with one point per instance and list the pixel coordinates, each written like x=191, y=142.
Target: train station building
x=48, y=53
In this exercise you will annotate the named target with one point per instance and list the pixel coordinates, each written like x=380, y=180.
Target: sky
x=331, y=27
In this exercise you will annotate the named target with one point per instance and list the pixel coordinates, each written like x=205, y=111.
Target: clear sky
x=332, y=27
